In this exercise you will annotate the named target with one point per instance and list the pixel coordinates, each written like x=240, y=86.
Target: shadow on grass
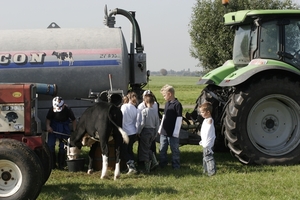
x=105, y=190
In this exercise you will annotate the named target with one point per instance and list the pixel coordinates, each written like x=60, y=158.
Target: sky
x=163, y=24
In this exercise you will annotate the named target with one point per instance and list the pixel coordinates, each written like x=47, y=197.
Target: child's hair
x=167, y=88
x=125, y=99
x=149, y=99
x=206, y=107
x=132, y=98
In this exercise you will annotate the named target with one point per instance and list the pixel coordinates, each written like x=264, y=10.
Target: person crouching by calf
x=147, y=128
x=58, y=119
x=207, y=139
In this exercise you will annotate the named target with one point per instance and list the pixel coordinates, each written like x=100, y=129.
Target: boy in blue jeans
x=170, y=127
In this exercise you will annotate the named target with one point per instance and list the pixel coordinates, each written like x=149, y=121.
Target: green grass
x=186, y=88
x=232, y=181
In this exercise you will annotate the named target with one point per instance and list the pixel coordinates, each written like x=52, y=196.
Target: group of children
x=142, y=121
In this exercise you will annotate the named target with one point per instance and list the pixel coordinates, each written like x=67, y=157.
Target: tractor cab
x=258, y=34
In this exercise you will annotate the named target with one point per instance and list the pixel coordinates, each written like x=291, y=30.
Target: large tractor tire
x=47, y=161
x=262, y=122
x=21, y=171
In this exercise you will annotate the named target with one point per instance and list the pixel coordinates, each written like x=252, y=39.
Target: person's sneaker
x=131, y=168
x=131, y=171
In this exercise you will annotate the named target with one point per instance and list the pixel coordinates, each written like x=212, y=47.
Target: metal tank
x=79, y=61
x=74, y=59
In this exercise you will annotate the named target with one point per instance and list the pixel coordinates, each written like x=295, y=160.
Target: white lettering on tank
x=4, y=58
x=19, y=58
x=37, y=57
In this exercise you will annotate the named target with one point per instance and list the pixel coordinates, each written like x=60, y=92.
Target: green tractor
x=256, y=95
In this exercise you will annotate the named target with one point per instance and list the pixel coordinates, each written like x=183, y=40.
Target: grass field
x=232, y=181
x=186, y=88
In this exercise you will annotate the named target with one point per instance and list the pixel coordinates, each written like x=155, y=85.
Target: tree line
x=164, y=72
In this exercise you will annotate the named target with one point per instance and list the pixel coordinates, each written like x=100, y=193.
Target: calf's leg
x=117, y=167
x=104, y=166
x=91, y=157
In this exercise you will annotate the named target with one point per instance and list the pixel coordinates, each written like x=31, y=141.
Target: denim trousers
x=165, y=141
x=209, y=165
x=62, y=127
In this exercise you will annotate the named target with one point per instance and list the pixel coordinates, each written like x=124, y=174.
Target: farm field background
x=232, y=181
x=186, y=88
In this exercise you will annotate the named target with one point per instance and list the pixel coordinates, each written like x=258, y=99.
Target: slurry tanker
x=84, y=65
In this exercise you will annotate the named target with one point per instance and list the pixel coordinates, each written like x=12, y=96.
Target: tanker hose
x=136, y=28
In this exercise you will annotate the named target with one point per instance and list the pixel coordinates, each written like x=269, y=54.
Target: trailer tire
x=44, y=155
x=262, y=122
x=21, y=171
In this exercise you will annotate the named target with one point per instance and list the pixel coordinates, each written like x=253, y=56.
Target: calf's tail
x=124, y=134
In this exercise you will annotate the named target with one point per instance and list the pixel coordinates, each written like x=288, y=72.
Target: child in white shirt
x=208, y=137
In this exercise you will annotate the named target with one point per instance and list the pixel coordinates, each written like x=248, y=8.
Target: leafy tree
x=164, y=72
x=211, y=41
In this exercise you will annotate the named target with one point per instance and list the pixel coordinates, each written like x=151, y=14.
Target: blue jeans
x=209, y=165
x=174, y=145
x=62, y=127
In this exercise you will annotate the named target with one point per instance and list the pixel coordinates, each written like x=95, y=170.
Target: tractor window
x=292, y=42
x=241, y=47
x=269, y=43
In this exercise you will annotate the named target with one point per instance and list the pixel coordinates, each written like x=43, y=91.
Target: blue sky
x=163, y=24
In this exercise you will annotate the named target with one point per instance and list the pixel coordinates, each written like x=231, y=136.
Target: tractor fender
x=217, y=75
x=241, y=75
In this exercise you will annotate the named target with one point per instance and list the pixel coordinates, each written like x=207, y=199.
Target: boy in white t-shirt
x=208, y=137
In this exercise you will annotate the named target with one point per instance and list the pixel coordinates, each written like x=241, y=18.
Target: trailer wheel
x=44, y=155
x=262, y=122
x=21, y=174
